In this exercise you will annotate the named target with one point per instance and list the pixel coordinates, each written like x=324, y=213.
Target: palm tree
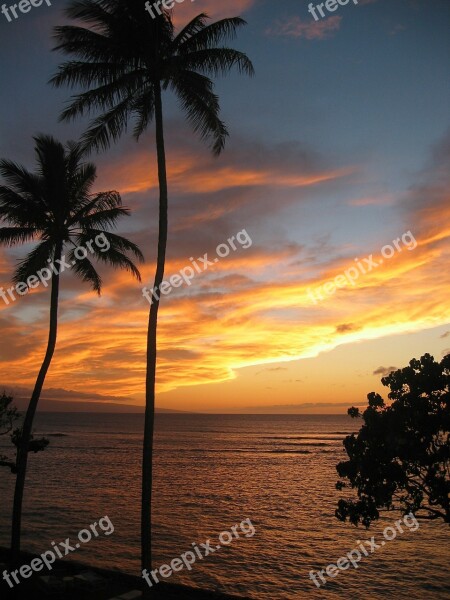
x=55, y=207
x=124, y=60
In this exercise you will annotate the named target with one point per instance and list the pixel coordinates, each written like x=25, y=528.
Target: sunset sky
x=338, y=146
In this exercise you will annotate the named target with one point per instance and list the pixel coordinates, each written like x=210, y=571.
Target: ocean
x=213, y=472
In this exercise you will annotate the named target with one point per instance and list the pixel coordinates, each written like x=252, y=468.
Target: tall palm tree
x=123, y=60
x=55, y=207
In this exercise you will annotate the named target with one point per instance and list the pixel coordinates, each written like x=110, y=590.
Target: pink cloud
x=216, y=10
x=376, y=200
x=311, y=30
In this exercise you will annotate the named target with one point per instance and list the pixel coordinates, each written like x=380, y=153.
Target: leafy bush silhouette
x=8, y=416
x=400, y=458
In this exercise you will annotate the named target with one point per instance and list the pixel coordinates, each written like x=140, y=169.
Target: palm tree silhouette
x=124, y=60
x=55, y=207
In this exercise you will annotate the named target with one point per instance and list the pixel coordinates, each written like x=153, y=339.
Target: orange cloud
x=189, y=173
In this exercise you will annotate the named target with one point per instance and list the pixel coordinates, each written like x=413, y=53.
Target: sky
x=334, y=183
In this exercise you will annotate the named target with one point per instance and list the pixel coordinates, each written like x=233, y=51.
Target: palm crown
x=54, y=206
x=129, y=57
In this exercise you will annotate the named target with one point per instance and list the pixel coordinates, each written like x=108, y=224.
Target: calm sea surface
x=212, y=472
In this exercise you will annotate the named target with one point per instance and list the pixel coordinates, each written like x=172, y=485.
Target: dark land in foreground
x=71, y=580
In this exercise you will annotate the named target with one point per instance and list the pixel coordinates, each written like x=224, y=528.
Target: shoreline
x=73, y=580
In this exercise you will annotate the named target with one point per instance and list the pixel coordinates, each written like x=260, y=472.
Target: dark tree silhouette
x=125, y=60
x=55, y=207
x=8, y=416
x=400, y=458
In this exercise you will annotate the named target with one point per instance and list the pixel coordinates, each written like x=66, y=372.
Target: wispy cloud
x=384, y=371
x=346, y=328
x=375, y=200
x=310, y=30
x=245, y=164
x=271, y=370
x=397, y=29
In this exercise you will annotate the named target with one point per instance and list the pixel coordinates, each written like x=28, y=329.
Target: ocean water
x=213, y=472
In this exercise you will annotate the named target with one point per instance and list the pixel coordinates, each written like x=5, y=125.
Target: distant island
x=71, y=406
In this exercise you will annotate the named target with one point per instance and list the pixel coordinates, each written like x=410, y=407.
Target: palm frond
x=144, y=110
x=202, y=108
x=108, y=127
x=81, y=181
x=85, y=44
x=22, y=210
x=38, y=259
x=99, y=202
x=86, y=271
x=103, y=218
x=118, y=260
x=117, y=242
x=83, y=104
x=211, y=35
x=193, y=27
x=114, y=255
x=21, y=180
x=218, y=61
x=94, y=12
x=10, y=236
x=51, y=159
x=83, y=74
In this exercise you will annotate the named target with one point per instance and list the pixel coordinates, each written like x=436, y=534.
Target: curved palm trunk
x=147, y=459
x=22, y=451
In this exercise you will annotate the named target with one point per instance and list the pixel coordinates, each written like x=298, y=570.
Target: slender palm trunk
x=147, y=459
x=22, y=450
